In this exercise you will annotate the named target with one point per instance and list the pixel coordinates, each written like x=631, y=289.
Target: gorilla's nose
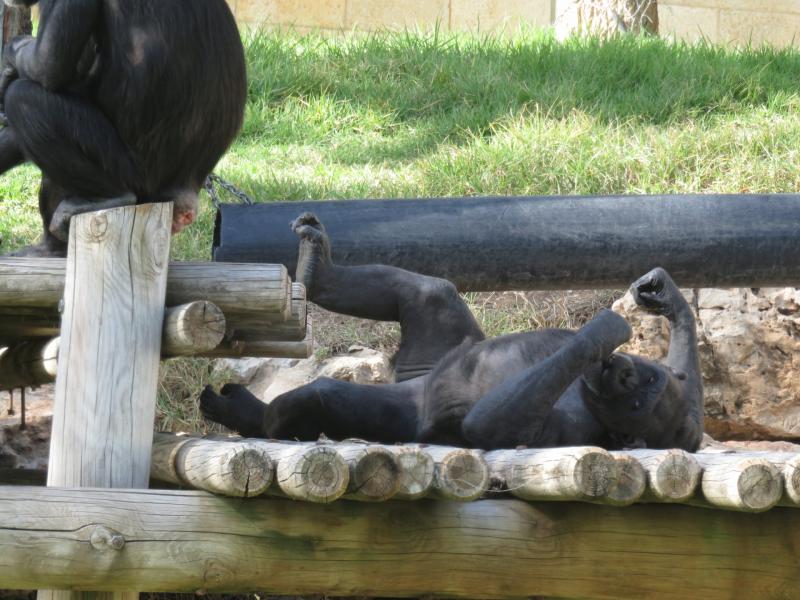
x=620, y=374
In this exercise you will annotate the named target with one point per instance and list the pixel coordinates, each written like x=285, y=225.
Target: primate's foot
x=69, y=207
x=604, y=334
x=235, y=408
x=315, y=250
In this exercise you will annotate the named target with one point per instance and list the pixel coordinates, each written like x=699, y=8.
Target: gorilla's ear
x=21, y=2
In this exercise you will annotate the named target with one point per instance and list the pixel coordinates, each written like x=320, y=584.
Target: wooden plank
x=191, y=541
x=28, y=364
x=110, y=351
x=234, y=288
x=192, y=329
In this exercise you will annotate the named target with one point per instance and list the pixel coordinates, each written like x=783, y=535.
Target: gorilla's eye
x=652, y=379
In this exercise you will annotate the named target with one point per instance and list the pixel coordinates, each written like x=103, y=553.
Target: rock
x=274, y=376
x=749, y=342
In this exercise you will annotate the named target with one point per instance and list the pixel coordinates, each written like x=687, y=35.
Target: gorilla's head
x=635, y=397
x=21, y=2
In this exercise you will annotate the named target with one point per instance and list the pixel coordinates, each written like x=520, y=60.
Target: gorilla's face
x=21, y=2
x=624, y=392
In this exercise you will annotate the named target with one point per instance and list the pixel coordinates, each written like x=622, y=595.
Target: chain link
x=214, y=183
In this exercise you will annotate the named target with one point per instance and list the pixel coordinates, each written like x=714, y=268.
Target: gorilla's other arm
x=655, y=292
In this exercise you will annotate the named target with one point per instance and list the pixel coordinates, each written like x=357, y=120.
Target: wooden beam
x=191, y=541
x=234, y=288
x=264, y=349
x=105, y=395
x=254, y=327
x=192, y=329
x=29, y=363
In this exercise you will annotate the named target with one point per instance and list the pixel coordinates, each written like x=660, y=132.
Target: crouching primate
x=121, y=102
x=543, y=388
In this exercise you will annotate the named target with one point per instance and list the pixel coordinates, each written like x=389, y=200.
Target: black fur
x=543, y=388
x=119, y=97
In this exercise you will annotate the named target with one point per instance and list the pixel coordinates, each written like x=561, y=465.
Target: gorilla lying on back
x=543, y=388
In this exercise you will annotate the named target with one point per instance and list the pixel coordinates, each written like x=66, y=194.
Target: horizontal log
x=579, y=473
x=746, y=483
x=234, y=288
x=231, y=468
x=28, y=364
x=311, y=472
x=672, y=475
x=374, y=471
x=417, y=472
x=192, y=329
x=251, y=327
x=459, y=474
x=540, y=242
x=180, y=541
x=628, y=484
x=788, y=463
x=264, y=349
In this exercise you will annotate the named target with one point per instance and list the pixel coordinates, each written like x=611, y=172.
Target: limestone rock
x=267, y=378
x=749, y=343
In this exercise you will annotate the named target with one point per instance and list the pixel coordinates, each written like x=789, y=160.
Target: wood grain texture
x=746, y=483
x=28, y=364
x=417, y=472
x=579, y=473
x=459, y=474
x=265, y=349
x=110, y=350
x=189, y=541
x=374, y=472
x=672, y=475
x=254, y=327
x=229, y=468
x=192, y=329
x=235, y=288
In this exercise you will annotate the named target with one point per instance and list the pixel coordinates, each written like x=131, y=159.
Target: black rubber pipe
x=541, y=242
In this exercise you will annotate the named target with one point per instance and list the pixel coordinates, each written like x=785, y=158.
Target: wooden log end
x=314, y=474
x=791, y=479
x=417, y=471
x=749, y=484
x=676, y=477
x=594, y=473
x=374, y=474
x=629, y=483
x=251, y=472
x=462, y=475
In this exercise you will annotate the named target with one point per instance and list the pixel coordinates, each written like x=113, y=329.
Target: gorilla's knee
x=20, y=100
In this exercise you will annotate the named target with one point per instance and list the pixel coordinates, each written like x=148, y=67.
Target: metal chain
x=214, y=181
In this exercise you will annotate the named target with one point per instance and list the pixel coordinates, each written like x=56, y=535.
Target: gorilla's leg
x=339, y=409
x=433, y=318
x=517, y=411
x=76, y=147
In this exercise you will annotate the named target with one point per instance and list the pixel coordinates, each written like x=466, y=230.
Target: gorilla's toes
x=212, y=405
x=307, y=223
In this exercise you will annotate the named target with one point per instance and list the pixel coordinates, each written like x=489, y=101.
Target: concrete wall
x=721, y=21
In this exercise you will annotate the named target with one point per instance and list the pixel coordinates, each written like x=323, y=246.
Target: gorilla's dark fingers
x=236, y=409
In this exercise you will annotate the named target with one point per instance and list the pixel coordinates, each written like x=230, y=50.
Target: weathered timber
x=255, y=328
x=579, y=473
x=28, y=364
x=540, y=243
x=417, y=472
x=628, y=484
x=672, y=475
x=234, y=288
x=264, y=349
x=788, y=463
x=460, y=474
x=740, y=483
x=192, y=329
x=374, y=472
x=109, y=353
x=184, y=541
x=230, y=468
x=306, y=471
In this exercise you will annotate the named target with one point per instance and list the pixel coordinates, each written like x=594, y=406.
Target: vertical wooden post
x=110, y=349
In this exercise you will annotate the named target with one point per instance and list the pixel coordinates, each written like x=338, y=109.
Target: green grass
x=409, y=114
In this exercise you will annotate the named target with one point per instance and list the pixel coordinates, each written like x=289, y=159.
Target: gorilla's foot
x=603, y=334
x=69, y=207
x=235, y=408
x=315, y=249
